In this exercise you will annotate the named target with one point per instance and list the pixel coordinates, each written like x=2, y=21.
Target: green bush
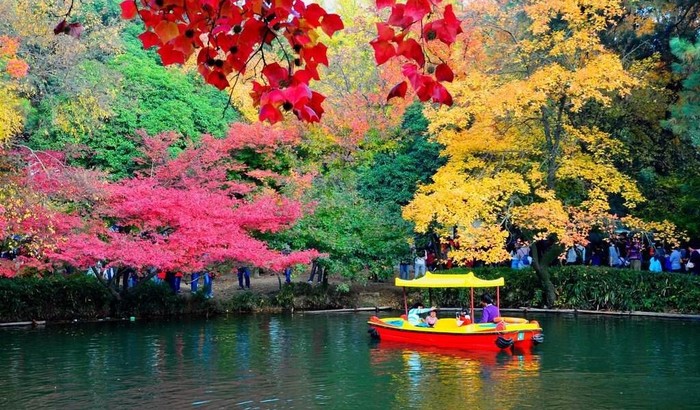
x=148, y=300
x=59, y=298
x=292, y=296
x=246, y=302
x=52, y=298
x=585, y=288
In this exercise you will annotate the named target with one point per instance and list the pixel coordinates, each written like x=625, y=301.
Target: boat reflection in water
x=447, y=378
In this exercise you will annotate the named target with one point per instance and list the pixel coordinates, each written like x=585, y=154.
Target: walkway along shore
x=523, y=310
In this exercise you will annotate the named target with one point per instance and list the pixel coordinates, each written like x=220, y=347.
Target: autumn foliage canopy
x=230, y=38
x=180, y=213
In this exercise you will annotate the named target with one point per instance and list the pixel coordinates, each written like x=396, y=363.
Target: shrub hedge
x=59, y=298
x=590, y=288
x=52, y=298
x=65, y=298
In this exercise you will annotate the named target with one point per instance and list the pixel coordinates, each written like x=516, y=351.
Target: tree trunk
x=541, y=262
x=324, y=276
x=115, y=292
x=108, y=285
x=553, y=133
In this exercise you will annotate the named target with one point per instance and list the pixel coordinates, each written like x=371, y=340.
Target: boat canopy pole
x=471, y=305
x=405, y=302
x=498, y=297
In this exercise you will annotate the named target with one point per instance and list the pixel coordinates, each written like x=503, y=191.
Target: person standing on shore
x=634, y=254
x=419, y=264
x=693, y=264
x=287, y=270
x=675, y=260
x=243, y=273
x=613, y=255
x=209, y=284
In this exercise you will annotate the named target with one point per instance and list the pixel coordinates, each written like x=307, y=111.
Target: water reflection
x=442, y=377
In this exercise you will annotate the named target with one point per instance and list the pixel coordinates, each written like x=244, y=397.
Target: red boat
x=458, y=332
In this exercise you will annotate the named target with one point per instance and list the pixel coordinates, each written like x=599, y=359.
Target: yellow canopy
x=432, y=280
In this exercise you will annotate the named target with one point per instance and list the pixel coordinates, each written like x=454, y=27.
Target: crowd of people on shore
x=128, y=278
x=622, y=251
x=198, y=281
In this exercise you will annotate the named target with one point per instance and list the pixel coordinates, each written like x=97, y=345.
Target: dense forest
x=567, y=118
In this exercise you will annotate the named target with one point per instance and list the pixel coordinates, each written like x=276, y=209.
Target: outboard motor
x=504, y=343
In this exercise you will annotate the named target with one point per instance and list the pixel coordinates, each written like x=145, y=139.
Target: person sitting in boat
x=490, y=311
x=431, y=319
x=415, y=312
x=463, y=318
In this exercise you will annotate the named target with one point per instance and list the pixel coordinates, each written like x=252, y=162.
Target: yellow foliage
x=80, y=116
x=509, y=138
x=665, y=232
x=240, y=98
x=11, y=111
x=11, y=114
x=19, y=211
x=455, y=198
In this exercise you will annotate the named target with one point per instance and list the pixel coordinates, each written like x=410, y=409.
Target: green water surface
x=309, y=361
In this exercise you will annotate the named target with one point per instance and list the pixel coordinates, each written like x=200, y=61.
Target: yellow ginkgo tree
x=12, y=69
x=522, y=155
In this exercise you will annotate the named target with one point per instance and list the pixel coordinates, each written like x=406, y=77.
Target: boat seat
x=445, y=323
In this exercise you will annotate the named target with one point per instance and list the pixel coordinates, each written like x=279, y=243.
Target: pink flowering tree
x=181, y=212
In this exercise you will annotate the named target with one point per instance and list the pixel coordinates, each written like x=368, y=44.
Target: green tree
x=393, y=176
x=685, y=114
x=143, y=95
x=362, y=240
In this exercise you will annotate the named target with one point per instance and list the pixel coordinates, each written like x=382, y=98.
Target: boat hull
x=520, y=337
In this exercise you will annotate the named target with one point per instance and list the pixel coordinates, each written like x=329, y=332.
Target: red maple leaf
x=331, y=23
x=217, y=79
x=383, y=51
x=129, y=9
x=412, y=50
x=269, y=112
x=228, y=37
x=399, y=90
x=277, y=76
x=398, y=18
x=312, y=13
x=385, y=32
x=385, y=3
x=169, y=55
x=417, y=9
x=443, y=72
x=149, y=39
x=440, y=94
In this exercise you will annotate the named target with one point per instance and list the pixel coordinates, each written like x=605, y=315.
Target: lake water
x=309, y=361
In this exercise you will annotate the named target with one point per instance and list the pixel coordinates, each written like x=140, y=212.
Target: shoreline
x=523, y=310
